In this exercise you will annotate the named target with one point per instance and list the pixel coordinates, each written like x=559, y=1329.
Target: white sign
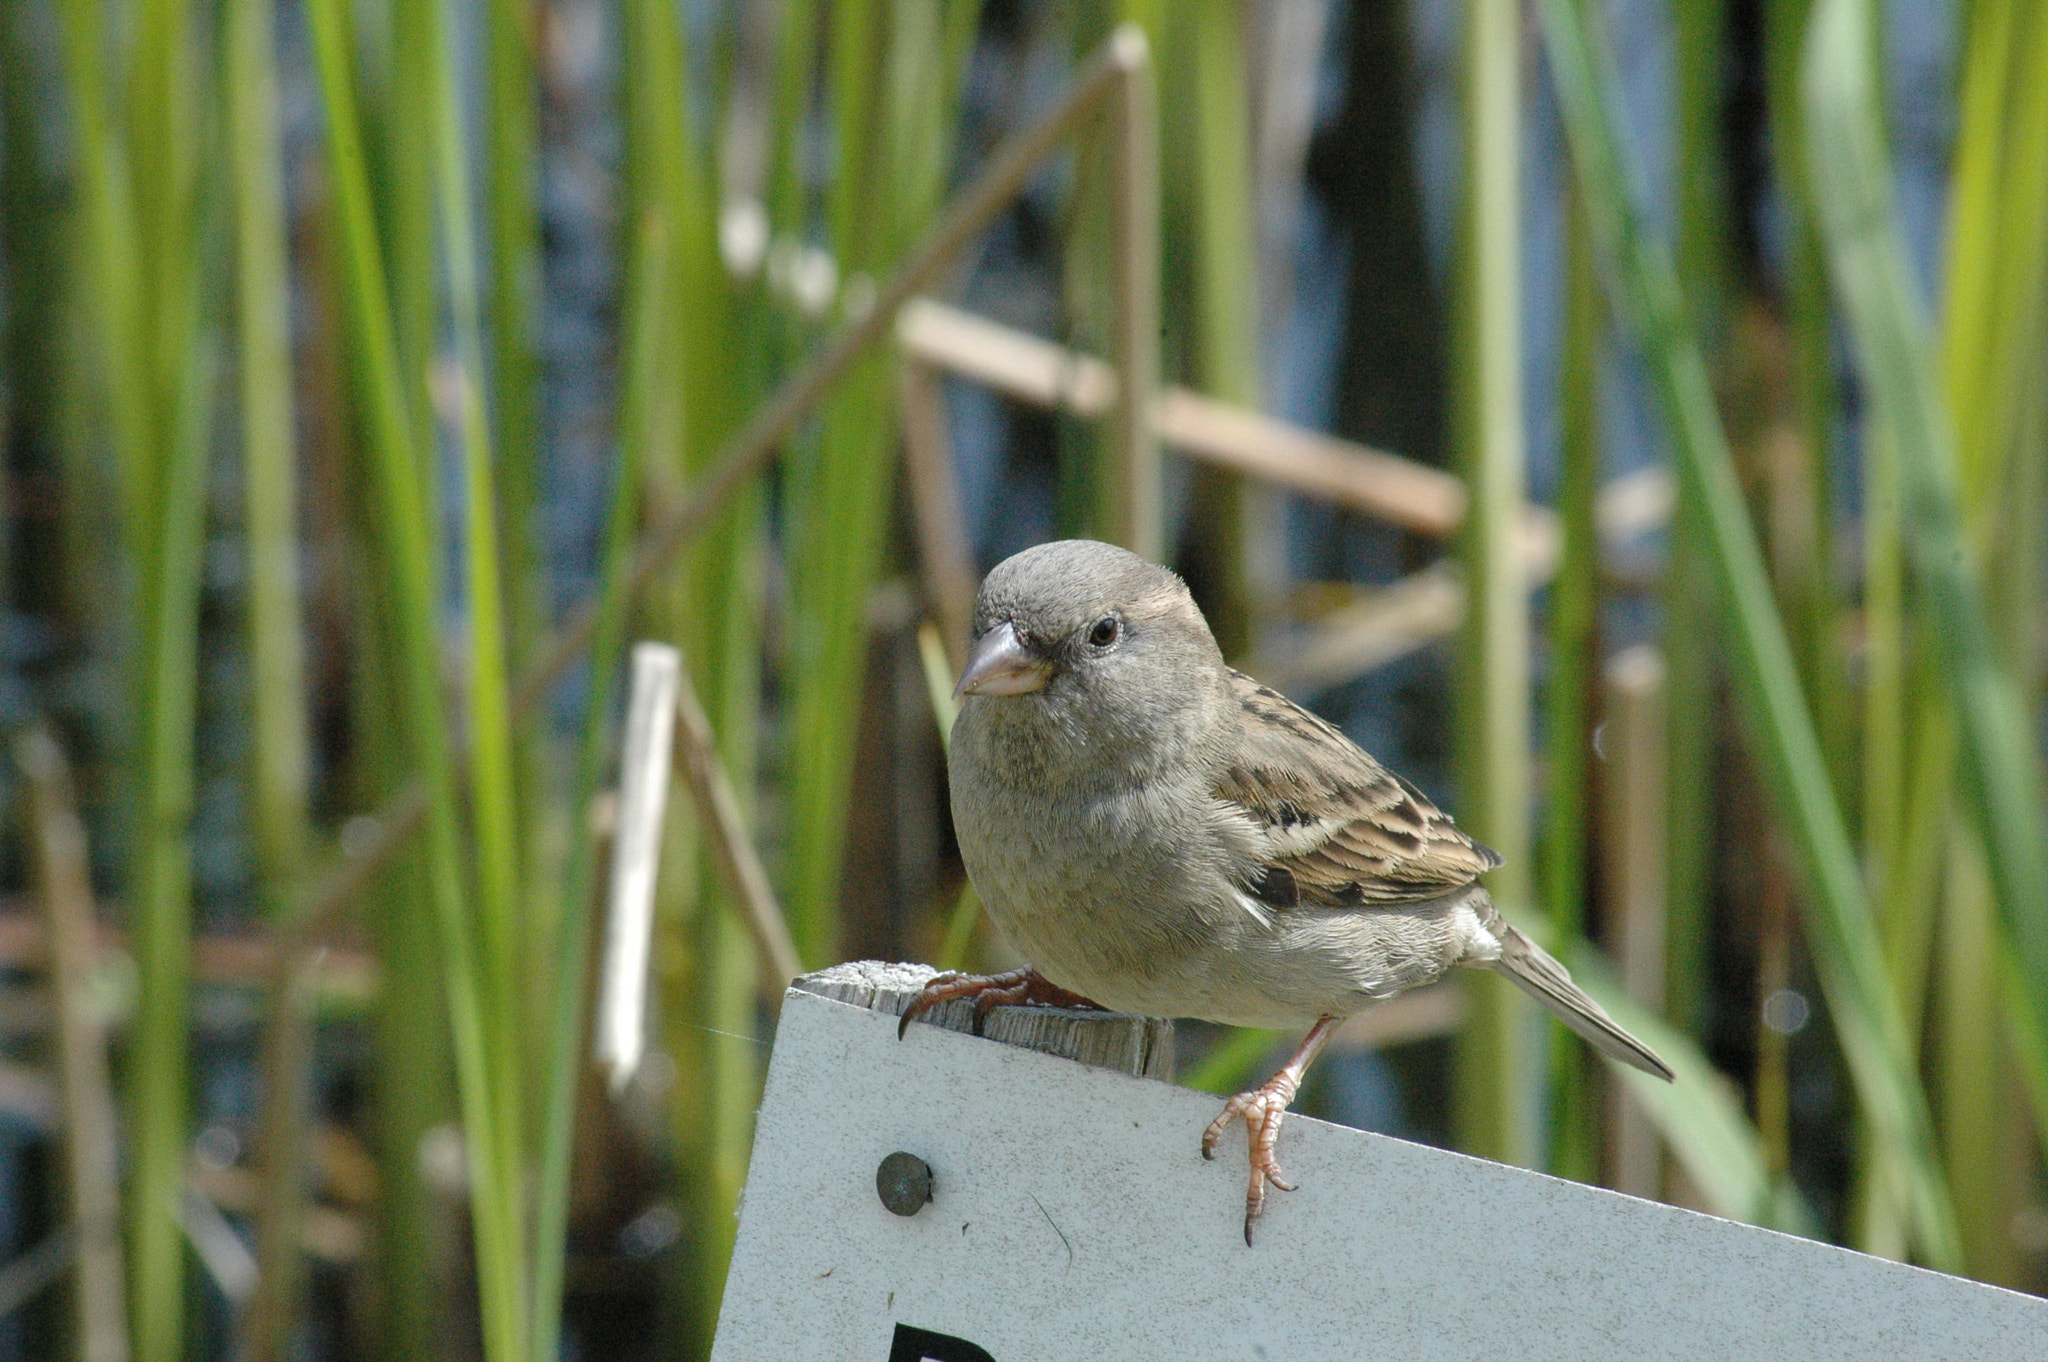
x=1073, y=1217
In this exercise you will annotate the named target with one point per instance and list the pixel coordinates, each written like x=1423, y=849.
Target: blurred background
x=1628, y=420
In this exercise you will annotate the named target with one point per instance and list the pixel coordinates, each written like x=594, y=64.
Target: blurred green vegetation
x=290, y=412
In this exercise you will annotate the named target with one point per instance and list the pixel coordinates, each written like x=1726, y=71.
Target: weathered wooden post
x=947, y=1198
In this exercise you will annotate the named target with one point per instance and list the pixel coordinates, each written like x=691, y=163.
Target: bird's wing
x=1339, y=828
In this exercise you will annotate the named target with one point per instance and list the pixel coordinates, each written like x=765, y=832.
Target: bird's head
x=1093, y=635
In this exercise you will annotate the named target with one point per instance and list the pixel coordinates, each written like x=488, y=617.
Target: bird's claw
x=989, y=991
x=1261, y=1110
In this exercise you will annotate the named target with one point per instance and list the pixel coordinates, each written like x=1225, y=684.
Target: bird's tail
x=1540, y=976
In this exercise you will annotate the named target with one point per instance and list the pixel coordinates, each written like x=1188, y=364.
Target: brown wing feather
x=1355, y=832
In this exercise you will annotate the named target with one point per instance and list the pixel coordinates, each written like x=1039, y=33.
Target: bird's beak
x=1002, y=665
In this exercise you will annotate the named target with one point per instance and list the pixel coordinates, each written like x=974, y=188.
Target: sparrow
x=1160, y=834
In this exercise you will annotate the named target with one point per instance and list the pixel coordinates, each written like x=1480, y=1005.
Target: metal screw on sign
x=904, y=1182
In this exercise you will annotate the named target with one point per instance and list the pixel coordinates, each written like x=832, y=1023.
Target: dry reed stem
x=91, y=1156
x=718, y=811
x=944, y=557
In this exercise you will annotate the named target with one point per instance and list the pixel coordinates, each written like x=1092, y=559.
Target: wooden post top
x=1140, y=1046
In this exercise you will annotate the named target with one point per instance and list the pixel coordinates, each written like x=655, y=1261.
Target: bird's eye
x=1104, y=632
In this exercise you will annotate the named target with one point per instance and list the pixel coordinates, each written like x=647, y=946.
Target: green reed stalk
x=640, y=380
x=2001, y=774
x=1818, y=603
x=1495, y=1105
x=512, y=184
x=1991, y=340
x=1088, y=495
x=492, y=788
x=511, y=149
x=715, y=617
x=722, y=634
x=158, y=379
x=1569, y=694
x=652, y=413
x=1225, y=321
x=1692, y=623
x=164, y=134
x=839, y=489
x=884, y=82
x=796, y=72
x=1973, y=1078
x=399, y=158
x=411, y=1047
x=117, y=344
x=281, y=757
x=398, y=474
x=110, y=244
x=2026, y=285
x=1972, y=1090
x=158, y=1080
x=709, y=608
x=1840, y=928
x=1905, y=750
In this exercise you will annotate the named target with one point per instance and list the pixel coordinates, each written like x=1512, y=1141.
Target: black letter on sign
x=922, y=1345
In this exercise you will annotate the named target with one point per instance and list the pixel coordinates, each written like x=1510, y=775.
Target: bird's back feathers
x=1344, y=831
x=1341, y=830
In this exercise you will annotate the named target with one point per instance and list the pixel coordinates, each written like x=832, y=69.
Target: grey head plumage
x=1106, y=651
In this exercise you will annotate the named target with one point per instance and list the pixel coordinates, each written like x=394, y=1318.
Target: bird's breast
x=1095, y=888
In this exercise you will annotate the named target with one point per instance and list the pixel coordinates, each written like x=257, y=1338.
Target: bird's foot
x=1261, y=1110
x=990, y=991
